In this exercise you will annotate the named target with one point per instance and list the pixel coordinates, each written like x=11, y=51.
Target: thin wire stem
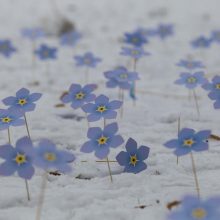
x=87, y=121
x=26, y=182
x=33, y=54
x=25, y=118
x=195, y=175
x=122, y=99
x=178, y=131
x=27, y=190
x=196, y=102
x=109, y=170
x=135, y=67
x=9, y=136
x=41, y=197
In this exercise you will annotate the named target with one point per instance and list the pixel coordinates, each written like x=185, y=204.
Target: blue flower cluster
x=18, y=105
x=206, y=42
x=23, y=157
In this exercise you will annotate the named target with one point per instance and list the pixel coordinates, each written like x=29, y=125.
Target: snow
x=151, y=122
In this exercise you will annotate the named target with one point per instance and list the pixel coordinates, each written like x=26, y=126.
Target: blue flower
x=101, y=140
x=135, y=52
x=10, y=117
x=191, y=81
x=18, y=159
x=102, y=108
x=88, y=60
x=214, y=88
x=79, y=95
x=46, y=53
x=33, y=33
x=133, y=158
x=6, y=48
x=120, y=77
x=201, y=42
x=48, y=157
x=136, y=39
x=188, y=140
x=216, y=36
x=23, y=100
x=191, y=64
x=162, y=31
x=192, y=208
x=70, y=38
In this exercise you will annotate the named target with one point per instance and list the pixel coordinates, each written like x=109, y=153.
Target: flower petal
x=203, y=135
x=116, y=141
x=22, y=93
x=186, y=133
x=94, y=132
x=115, y=104
x=102, y=153
x=66, y=156
x=93, y=117
x=26, y=172
x=110, y=114
x=7, y=151
x=143, y=152
x=25, y=145
x=123, y=158
x=88, y=108
x=87, y=147
x=111, y=128
x=131, y=146
x=181, y=151
x=102, y=99
x=201, y=147
x=35, y=96
x=172, y=143
x=7, y=169
x=18, y=122
x=9, y=100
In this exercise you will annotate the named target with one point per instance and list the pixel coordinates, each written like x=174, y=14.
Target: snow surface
x=151, y=122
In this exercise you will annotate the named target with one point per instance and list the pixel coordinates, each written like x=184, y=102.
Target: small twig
x=109, y=170
x=196, y=102
x=178, y=131
x=195, y=175
x=9, y=136
x=25, y=118
x=27, y=190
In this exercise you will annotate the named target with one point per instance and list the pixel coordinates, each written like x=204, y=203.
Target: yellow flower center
x=189, y=65
x=22, y=102
x=191, y=80
x=134, y=39
x=46, y=53
x=133, y=160
x=87, y=61
x=3, y=47
x=79, y=95
x=217, y=86
x=135, y=52
x=188, y=142
x=20, y=159
x=102, y=140
x=50, y=157
x=101, y=109
x=199, y=213
x=124, y=76
x=6, y=119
